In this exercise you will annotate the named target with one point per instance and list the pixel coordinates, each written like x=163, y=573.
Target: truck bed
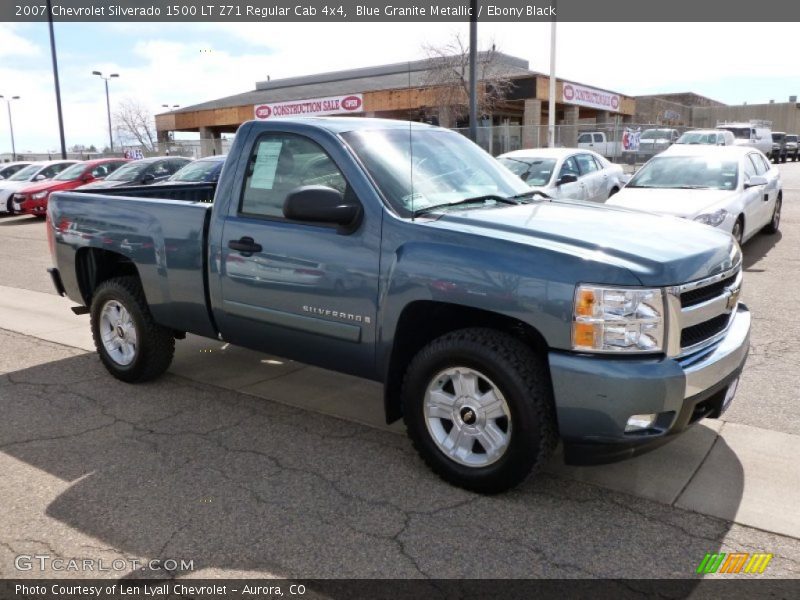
x=163, y=236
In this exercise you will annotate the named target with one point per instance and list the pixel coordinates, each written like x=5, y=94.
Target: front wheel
x=775, y=222
x=132, y=347
x=10, y=206
x=738, y=231
x=478, y=407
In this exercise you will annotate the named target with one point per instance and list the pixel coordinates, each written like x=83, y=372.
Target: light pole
x=173, y=106
x=108, y=105
x=11, y=125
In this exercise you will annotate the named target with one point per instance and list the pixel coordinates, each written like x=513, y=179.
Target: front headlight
x=40, y=195
x=607, y=319
x=714, y=219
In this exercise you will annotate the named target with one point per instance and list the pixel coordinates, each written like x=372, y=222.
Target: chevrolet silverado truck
x=498, y=320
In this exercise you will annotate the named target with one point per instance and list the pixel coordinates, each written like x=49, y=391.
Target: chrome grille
x=701, y=311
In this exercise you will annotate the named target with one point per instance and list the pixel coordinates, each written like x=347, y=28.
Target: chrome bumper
x=708, y=368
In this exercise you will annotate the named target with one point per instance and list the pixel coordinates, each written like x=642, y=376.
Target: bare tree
x=448, y=76
x=134, y=124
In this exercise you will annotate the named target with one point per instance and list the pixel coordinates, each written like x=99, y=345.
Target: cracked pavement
x=247, y=487
x=94, y=468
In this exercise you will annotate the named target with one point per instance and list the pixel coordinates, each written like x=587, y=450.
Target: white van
x=756, y=134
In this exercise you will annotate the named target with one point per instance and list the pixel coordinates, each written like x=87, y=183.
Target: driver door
x=575, y=190
x=297, y=289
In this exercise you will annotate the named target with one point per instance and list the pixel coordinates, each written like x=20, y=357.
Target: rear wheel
x=132, y=347
x=775, y=222
x=478, y=407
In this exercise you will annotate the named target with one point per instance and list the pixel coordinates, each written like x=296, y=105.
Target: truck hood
x=679, y=203
x=658, y=250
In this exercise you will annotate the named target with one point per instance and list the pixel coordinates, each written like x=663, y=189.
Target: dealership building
x=518, y=120
x=403, y=91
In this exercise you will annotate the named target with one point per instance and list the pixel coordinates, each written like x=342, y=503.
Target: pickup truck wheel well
x=93, y=266
x=423, y=321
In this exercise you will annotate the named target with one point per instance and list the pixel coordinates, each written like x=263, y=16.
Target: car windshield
x=533, y=171
x=25, y=173
x=196, y=171
x=687, y=172
x=417, y=169
x=71, y=173
x=696, y=137
x=654, y=134
x=129, y=172
x=740, y=133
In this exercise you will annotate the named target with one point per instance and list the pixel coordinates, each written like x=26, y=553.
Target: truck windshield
x=422, y=168
x=687, y=172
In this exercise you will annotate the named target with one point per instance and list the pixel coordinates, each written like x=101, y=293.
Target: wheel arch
x=422, y=321
x=93, y=266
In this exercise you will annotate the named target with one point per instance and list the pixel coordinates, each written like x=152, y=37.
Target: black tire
x=738, y=230
x=775, y=223
x=523, y=379
x=155, y=345
x=10, y=206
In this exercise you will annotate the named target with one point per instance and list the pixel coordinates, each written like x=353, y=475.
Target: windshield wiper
x=528, y=194
x=476, y=199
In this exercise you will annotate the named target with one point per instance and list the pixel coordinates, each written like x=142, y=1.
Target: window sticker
x=266, y=165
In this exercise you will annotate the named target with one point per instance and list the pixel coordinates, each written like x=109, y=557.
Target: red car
x=32, y=200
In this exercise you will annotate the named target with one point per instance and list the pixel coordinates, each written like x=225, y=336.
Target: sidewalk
x=735, y=472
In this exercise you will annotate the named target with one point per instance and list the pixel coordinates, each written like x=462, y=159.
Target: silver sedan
x=572, y=173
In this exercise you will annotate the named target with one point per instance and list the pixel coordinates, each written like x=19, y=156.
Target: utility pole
x=473, y=83
x=108, y=106
x=11, y=125
x=55, y=78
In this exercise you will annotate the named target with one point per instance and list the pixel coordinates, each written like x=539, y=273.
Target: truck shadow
x=239, y=484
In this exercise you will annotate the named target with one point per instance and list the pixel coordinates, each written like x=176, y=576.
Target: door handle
x=245, y=245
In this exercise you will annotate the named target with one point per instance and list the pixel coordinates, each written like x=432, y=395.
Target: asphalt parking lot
x=229, y=461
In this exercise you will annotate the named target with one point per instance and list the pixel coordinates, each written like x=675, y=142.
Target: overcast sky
x=190, y=63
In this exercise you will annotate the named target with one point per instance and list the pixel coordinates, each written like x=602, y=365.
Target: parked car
x=34, y=172
x=753, y=134
x=732, y=187
x=203, y=169
x=598, y=141
x=145, y=171
x=792, y=146
x=498, y=321
x=653, y=141
x=566, y=172
x=779, y=150
x=32, y=199
x=712, y=137
x=8, y=169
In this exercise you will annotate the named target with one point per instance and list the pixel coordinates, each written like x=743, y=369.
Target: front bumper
x=30, y=206
x=596, y=395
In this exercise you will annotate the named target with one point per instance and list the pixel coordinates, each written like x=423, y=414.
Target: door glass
x=279, y=164
x=570, y=167
x=586, y=163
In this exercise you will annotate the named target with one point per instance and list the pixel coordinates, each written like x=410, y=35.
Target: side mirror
x=755, y=181
x=87, y=177
x=321, y=204
x=39, y=177
x=148, y=178
x=567, y=178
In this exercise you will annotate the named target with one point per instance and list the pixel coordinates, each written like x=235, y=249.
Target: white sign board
x=572, y=93
x=332, y=105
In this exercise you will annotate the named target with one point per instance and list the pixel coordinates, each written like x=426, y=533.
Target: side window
x=570, y=167
x=760, y=165
x=54, y=170
x=585, y=138
x=160, y=169
x=279, y=164
x=100, y=170
x=598, y=138
x=586, y=163
x=113, y=166
x=750, y=166
x=176, y=165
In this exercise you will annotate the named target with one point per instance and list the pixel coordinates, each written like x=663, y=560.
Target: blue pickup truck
x=498, y=320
